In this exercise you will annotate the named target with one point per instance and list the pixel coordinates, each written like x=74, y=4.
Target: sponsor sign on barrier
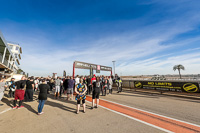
x=192, y=87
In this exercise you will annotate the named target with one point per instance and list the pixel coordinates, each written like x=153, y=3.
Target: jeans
x=41, y=105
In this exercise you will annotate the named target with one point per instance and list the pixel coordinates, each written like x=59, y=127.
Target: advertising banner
x=98, y=69
x=84, y=65
x=184, y=86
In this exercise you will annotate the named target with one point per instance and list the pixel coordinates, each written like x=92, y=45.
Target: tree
x=179, y=67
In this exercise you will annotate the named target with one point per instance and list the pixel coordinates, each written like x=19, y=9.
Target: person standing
x=19, y=92
x=77, y=80
x=12, y=88
x=96, y=92
x=36, y=82
x=51, y=84
x=119, y=85
x=29, y=90
x=80, y=90
x=48, y=83
x=65, y=84
x=93, y=79
x=105, y=85
x=61, y=87
x=2, y=88
x=42, y=96
x=57, y=84
x=89, y=85
x=110, y=85
x=102, y=82
x=70, y=88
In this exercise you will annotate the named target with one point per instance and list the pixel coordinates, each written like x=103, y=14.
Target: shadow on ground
x=7, y=102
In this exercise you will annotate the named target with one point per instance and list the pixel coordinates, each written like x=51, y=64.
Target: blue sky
x=143, y=36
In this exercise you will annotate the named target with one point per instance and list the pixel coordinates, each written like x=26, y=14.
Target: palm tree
x=179, y=67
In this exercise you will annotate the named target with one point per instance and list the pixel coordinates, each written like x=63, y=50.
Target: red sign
x=98, y=67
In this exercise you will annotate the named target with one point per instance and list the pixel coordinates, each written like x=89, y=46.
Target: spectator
x=89, y=85
x=12, y=88
x=2, y=88
x=77, y=80
x=51, y=84
x=110, y=85
x=36, y=82
x=42, y=96
x=96, y=92
x=80, y=90
x=29, y=90
x=57, y=84
x=70, y=88
x=65, y=84
x=119, y=85
x=61, y=87
x=19, y=92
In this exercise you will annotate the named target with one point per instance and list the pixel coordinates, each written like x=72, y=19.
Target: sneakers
x=40, y=113
x=19, y=107
x=14, y=107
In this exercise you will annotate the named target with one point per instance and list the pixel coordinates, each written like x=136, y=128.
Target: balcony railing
x=5, y=62
x=1, y=57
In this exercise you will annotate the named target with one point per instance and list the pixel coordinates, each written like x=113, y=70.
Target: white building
x=16, y=51
x=10, y=55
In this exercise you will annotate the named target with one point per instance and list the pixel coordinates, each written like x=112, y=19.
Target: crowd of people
x=81, y=86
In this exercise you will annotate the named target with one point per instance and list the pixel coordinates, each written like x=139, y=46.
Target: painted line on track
x=166, y=123
x=162, y=129
x=6, y=110
x=153, y=113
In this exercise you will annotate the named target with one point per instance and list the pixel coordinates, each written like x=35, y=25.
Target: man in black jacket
x=89, y=85
x=65, y=84
x=29, y=90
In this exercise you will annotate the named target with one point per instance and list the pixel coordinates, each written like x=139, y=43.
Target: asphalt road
x=181, y=108
x=60, y=115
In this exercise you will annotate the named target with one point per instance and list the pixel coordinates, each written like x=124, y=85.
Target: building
x=17, y=51
x=10, y=55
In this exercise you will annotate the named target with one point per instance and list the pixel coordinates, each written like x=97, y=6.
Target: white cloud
x=164, y=65
x=42, y=57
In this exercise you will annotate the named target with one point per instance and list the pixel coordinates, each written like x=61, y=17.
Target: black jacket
x=65, y=83
x=20, y=84
x=43, y=91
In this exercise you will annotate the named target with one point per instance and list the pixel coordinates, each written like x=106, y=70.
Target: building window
x=15, y=55
x=11, y=47
x=17, y=48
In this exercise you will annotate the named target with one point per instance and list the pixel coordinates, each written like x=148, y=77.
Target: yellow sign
x=189, y=87
x=138, y=85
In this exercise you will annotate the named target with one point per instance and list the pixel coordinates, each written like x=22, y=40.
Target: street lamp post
x=114, y=67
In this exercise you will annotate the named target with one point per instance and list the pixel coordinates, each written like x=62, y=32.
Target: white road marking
x=162, y=129
x=6, y=110
x=153, y=113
